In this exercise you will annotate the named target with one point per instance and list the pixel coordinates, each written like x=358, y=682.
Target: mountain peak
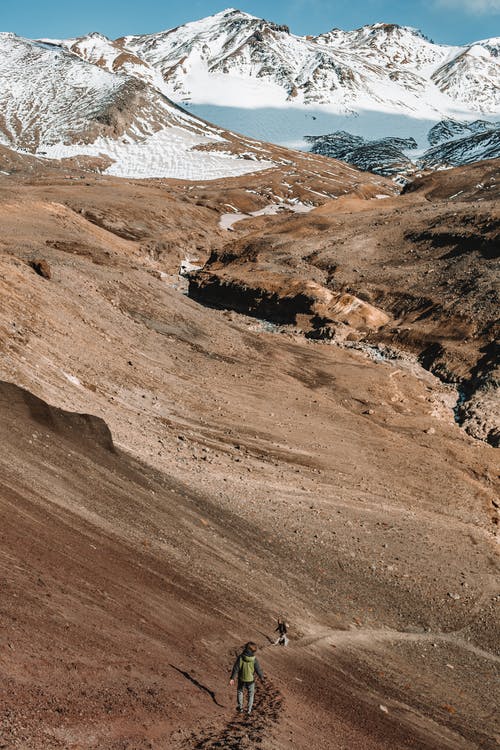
x=96, y=35
x=233, y=14
x=229, y=13
x=393, y=30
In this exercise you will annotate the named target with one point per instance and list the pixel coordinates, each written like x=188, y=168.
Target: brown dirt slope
x=229, y=473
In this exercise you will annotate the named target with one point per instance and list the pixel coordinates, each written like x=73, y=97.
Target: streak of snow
x=188, y=265
x=72, y=379
x=227, y=221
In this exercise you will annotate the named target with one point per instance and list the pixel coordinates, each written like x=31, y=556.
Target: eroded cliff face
x=285, y=299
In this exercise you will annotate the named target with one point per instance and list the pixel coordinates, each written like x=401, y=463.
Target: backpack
x=247, y=668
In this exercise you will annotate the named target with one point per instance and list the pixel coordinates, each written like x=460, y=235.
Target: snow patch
x=168, y=153
x=188, y=265
x=72, y=379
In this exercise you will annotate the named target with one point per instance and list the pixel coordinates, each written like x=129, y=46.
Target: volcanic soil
x=176, y=475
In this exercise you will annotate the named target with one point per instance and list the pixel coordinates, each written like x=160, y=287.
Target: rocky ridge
x=477, y=146
x=453, y=143
x=450, y=130
x=385, y=156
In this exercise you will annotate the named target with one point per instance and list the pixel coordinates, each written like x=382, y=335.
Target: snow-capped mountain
x=114, y=97
x=78, y=98
x=235, y=59
x=110, y=55
x=254, y=76
x=53, y=103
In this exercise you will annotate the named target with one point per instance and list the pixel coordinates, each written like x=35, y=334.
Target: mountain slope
x=55, y=104
x=48, y=97
x=431, y=266
x=472, y=79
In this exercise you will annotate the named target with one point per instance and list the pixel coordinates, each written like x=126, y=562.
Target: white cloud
x=472, y=6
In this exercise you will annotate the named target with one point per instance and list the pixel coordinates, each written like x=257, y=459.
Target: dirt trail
x=243, y=731
x=370, y=638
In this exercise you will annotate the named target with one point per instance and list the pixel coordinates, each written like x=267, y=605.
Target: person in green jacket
x=245, y=667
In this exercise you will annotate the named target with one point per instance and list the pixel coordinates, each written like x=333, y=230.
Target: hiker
x=282, y=629
x=244, y=668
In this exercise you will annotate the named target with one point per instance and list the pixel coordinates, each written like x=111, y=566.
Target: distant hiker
x=282, y=629
x=244, y=668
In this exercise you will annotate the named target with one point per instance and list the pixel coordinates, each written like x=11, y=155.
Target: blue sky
x=446, y=21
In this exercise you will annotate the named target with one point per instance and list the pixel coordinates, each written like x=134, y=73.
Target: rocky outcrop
x=471, y=148
x=383, y=156
x=41, y=267
x=451, y=130
x=285, y=299
x=479, y=409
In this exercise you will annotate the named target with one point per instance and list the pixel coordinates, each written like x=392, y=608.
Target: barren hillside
x=233, y=470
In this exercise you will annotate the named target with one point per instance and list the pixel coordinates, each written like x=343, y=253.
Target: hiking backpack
x=247, y=668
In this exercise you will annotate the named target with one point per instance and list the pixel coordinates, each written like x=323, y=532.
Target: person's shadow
x=198, y=685
x=268, y=638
